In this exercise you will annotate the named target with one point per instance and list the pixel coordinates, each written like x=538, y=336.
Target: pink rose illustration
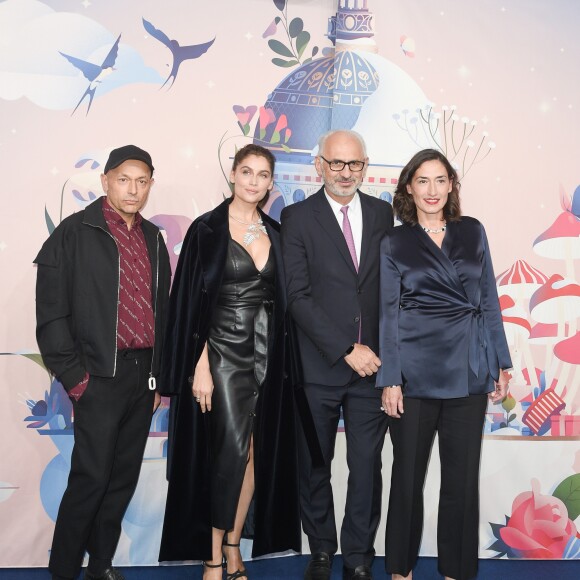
x=539, y=526
x=267, y=117
x=280, y=126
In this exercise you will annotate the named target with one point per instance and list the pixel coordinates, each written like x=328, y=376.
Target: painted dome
x=326, y=92
x=350, y=87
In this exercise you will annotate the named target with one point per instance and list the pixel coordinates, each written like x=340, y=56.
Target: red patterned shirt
x=136, y=322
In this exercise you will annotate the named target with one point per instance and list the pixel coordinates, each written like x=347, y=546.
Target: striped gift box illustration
x=539, y=413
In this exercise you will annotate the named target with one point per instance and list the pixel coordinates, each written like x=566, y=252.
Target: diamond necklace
x=436, y=231
x=253, y=230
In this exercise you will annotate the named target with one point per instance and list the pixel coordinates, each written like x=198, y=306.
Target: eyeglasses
x=337, y=165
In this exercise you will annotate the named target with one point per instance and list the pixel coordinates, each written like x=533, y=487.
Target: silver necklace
x=253, y=230
x=435, y=231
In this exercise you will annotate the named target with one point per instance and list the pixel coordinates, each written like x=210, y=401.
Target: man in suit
x=330, y=244
x=101, y=294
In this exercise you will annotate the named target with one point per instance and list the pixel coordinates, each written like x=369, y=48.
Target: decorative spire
x=352, y=26
x=354, y=20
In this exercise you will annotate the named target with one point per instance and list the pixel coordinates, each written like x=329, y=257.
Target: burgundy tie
x=347, y=231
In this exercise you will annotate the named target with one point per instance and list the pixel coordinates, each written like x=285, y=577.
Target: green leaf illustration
x=301, y=42
x=49, y=222
x=286, y=148
x=33, y=356
x=280, y=4
x=569, y=493
x=284, y=63
x=296, y=27
x=279, y=48
x=315, y=51
x=245, y=128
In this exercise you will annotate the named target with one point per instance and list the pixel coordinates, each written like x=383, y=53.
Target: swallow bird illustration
x=180, y=53
x=94, y=73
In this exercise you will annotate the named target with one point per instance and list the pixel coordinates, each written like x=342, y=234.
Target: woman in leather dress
x=228, y=294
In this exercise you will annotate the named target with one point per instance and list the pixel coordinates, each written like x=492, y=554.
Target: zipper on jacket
x=152, y=383
x=118, y=291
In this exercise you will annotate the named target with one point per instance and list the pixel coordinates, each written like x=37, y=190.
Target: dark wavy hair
x=256, y=150
x=403, y=203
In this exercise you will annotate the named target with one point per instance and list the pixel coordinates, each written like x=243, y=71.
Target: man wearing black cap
x=102, y=286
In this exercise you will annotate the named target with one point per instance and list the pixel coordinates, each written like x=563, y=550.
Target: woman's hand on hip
x=392, y=401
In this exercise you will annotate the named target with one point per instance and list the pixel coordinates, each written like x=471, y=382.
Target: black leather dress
x=238, y=351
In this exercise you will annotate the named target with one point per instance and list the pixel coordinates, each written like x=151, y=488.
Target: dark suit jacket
x=326, y=296
x=440, y=315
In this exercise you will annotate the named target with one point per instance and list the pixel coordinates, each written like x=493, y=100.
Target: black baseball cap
x=122, y=154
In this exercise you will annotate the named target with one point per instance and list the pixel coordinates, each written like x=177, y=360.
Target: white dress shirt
x=354, y=217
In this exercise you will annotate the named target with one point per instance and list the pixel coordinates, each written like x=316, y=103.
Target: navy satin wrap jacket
x=441, y=332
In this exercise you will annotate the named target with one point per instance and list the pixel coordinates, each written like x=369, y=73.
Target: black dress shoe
x=362, y=572
x=319, y=567
x=108, y=574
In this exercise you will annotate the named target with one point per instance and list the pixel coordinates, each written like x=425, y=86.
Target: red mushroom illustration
x=520, y=281
x=546, y=335
x=517, y=330
x=568, y=351
x=561, y=241
x=558, y=300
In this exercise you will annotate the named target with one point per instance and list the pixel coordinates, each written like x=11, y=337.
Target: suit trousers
x=111, y=426
x=459, y=423
x=365, y=427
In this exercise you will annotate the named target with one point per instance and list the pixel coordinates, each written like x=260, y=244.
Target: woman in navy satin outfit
x=444, y=354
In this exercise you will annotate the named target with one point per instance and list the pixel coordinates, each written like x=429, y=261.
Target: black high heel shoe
x=238, y=573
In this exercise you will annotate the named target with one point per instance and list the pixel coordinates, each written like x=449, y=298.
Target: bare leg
x=212, y=569
x=399, y=577
x=234, y=558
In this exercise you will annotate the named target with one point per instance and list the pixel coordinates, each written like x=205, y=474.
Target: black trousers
x=459, y=423
x=365, y=428
x=111, y=425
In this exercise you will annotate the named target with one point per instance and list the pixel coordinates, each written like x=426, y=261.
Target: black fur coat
x=276, y=515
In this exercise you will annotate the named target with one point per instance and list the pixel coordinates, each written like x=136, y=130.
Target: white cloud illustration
x=32, y=36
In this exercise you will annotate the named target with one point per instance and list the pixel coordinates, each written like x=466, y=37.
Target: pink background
x=512, y=66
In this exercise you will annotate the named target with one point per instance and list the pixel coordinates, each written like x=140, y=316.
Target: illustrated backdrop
x=493, y=84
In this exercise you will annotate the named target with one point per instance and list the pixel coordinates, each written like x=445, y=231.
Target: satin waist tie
x=476, y=339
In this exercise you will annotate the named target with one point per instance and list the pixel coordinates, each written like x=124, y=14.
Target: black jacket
x=77, y=290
